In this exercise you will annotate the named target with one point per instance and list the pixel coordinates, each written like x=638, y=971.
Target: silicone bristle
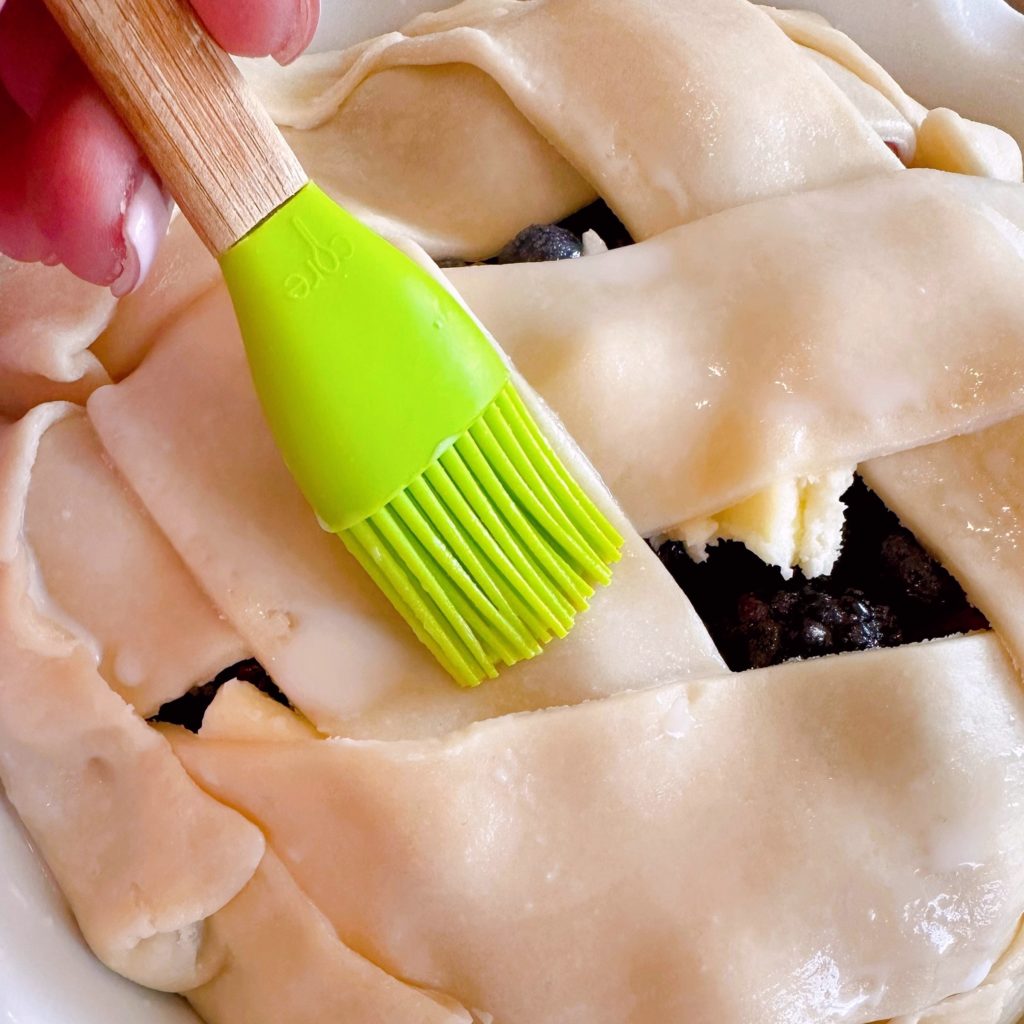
x=493, y=549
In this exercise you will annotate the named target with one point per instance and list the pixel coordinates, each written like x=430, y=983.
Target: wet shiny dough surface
x=620, y=831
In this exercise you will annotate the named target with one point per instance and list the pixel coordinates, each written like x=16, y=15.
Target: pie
x=808, y=276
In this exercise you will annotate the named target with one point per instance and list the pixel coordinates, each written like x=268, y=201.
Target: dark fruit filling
x=546, y=243
x=598, y=217
x=884, y=590
x=541, y=243
x=189, y=709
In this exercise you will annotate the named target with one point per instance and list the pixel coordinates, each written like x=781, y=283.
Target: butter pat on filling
x=795, y=523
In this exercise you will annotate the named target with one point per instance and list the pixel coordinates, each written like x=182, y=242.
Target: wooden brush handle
x=183, y=99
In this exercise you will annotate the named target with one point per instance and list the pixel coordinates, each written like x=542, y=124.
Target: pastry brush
x=394, y=412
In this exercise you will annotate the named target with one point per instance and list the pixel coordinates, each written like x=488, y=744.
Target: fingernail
x=302, y=27
x=145, y=223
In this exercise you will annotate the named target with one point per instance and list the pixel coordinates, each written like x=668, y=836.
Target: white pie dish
x=44, y=974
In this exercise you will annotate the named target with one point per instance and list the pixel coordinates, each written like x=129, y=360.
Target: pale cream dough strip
x=779, y=339
x=143, y=856
x=824, y=840
x=441, y=154
x=102, y=561
x=221, y=494
x=286, y=962
x=999, y=999
x=879, y=112
x=286, y=965
x=816, y=34
x=964, y=500
x=669, y=111
x=103, y=570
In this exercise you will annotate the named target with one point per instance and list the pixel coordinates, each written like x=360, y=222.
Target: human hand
x=74, y=188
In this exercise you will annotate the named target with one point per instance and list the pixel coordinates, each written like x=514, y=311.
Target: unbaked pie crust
x=620, y=832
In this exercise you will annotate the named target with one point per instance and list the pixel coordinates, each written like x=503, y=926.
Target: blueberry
x=541, y=243
x=813, y=638
x=757, y=636
x=783, y=603
x=918, y=576
x=862, y=635
x=805, y=621
x=867, y=624
x=763, y=643
x=751, y=609
x=821, y=606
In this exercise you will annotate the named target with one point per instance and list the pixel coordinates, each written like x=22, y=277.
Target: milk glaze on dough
x=826, y=276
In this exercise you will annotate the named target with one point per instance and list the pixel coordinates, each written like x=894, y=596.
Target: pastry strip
x=823, y=840
x=286, y=965
x=143, y=856
x=567, y=67
x=964, y=500
x=776, y=340
x=107, y=568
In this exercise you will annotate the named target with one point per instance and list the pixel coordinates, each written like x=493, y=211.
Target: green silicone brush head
x=400, y=423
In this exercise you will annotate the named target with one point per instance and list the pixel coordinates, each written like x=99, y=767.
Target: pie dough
x=619, y=830
x=484, y=856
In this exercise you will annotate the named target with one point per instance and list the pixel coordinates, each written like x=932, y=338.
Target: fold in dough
x=775, y=340
x=878, y=111
x=73, y=754
x=107, y=570
x=818, y=36
x=944, y=140
x=286, y=965
x=953, y=143
x=182, y=272
x=48, y=319
x=964, y=500
x=742, y=114
x=824, y=840
x=999, y=999
x=223, y=497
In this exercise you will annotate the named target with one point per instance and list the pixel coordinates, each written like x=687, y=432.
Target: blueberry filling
x=884, y=590
x=541, y=243
x=189, y=709
x=546, y=243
